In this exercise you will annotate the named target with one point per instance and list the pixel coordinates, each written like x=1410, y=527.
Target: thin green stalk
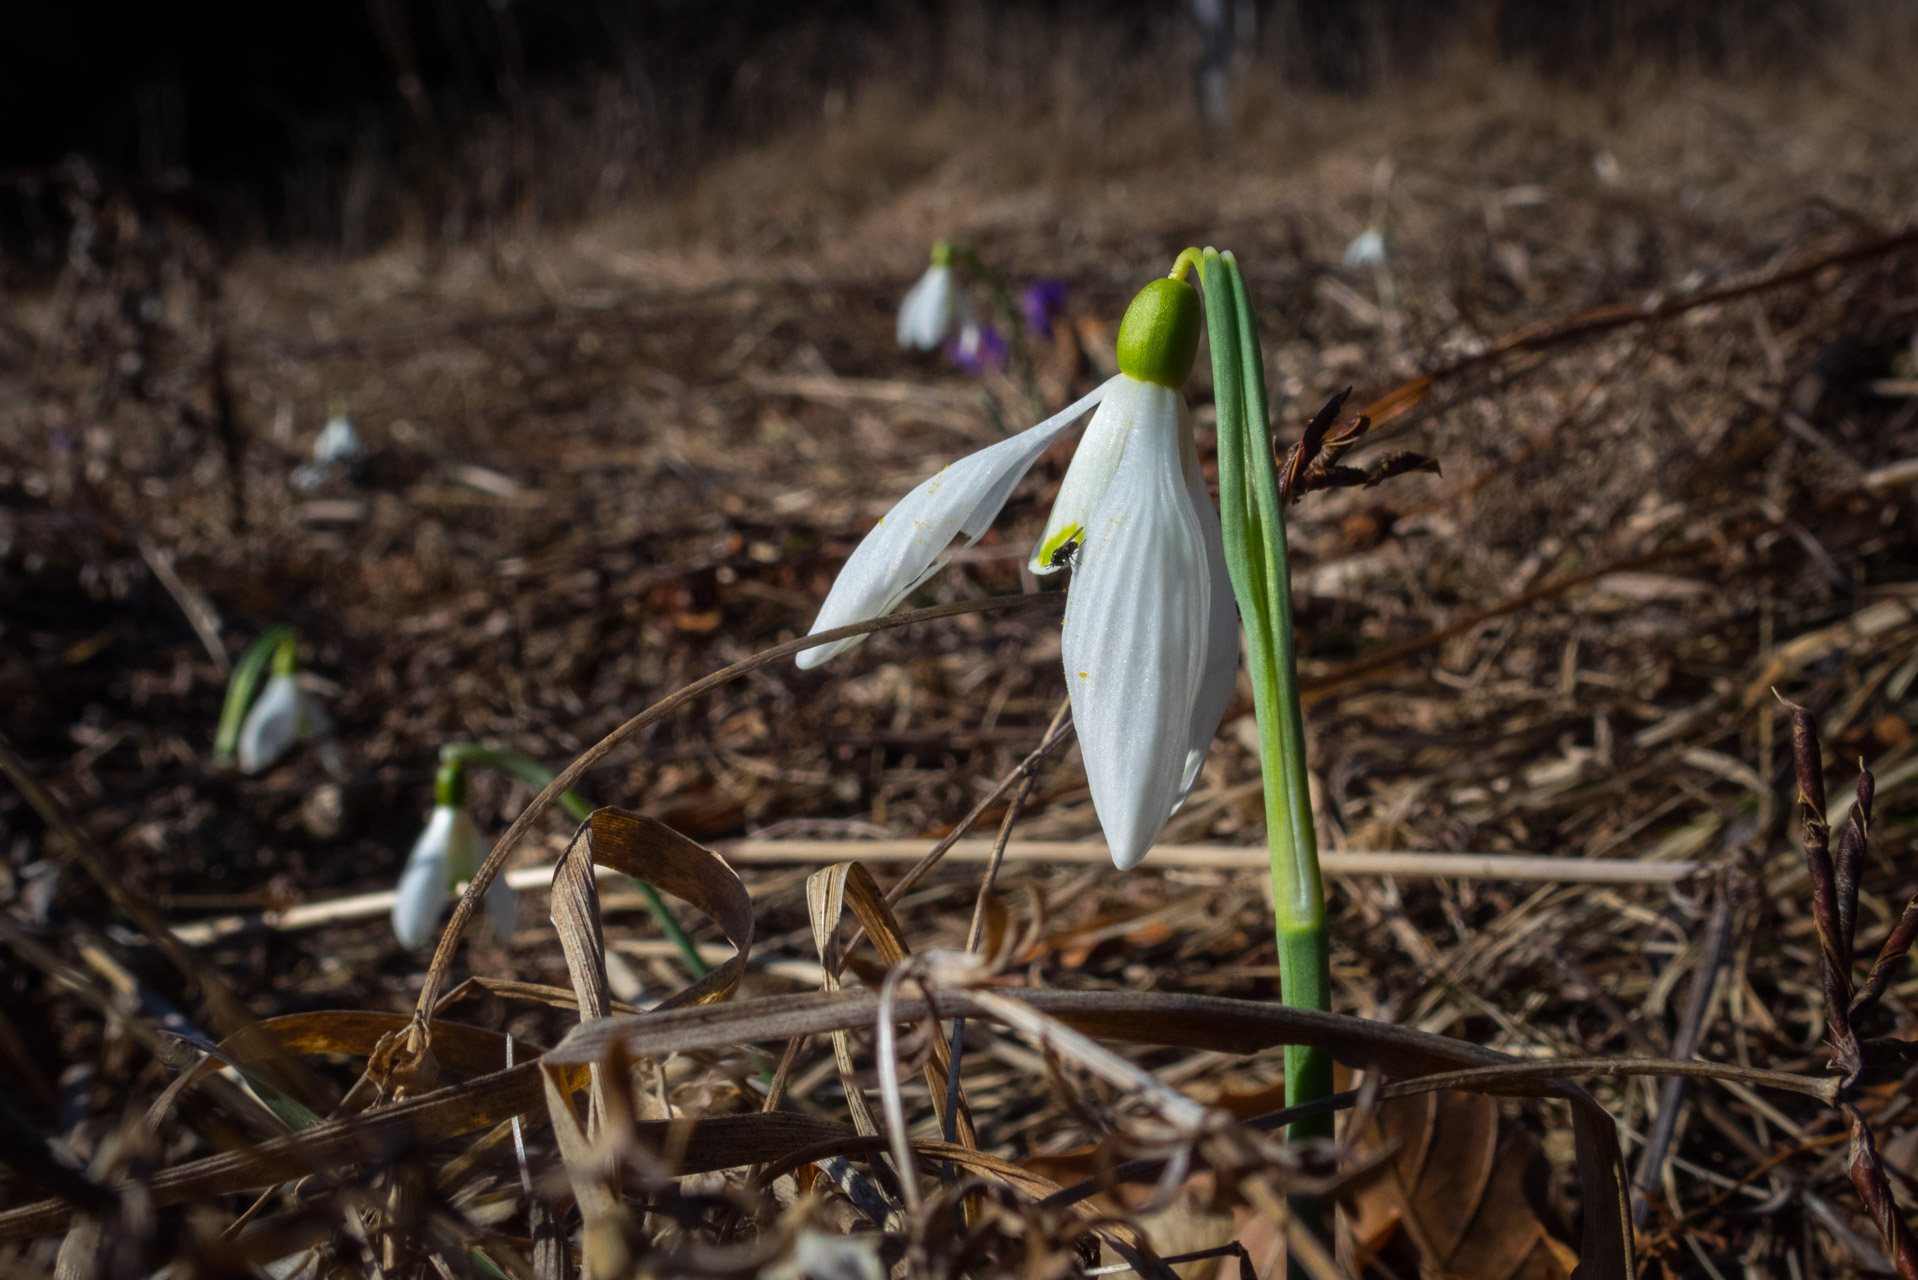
x=1001, y=294
x=534, y=774
x=1258, y=562
x=240, y=688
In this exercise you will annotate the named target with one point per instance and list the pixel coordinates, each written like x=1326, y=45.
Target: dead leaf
x=1460, y=1198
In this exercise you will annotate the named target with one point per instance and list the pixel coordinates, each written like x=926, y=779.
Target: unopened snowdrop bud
x=1159, y=337
x=285, y=716
x=446, y=855
x=932, y=306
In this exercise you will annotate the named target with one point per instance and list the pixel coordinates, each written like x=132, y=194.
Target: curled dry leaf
x=828, y=894
x=1462, y=1194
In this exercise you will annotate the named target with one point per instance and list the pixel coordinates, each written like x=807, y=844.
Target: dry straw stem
x=572, y=773
x=1192, y=1022
x=1596, y=321
x=1400, y=864
x=230, y=1015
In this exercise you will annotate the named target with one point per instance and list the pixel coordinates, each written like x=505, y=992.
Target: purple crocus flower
x=977, y=348
x=1041, y=300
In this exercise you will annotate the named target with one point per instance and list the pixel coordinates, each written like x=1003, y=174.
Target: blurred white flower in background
x=1366, y=250
x=337, y=441
x=285, y=716
x=933, y=305
x=336, y=449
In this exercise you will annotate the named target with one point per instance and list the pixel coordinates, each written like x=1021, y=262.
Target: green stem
x=534, y=774
x=240, y=688
x=1257, y=559
x=1000, y=291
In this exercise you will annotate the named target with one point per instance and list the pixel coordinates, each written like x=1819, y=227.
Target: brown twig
x=572, y=773
x=230, y=1016
x=1595, y=321
x=1835, y=912
x=1718, y=938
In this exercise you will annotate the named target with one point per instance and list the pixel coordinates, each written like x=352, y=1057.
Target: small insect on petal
x=1094, y=463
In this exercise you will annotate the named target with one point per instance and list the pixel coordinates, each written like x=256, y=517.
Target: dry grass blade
x=850, y=884
x=825, y=903
x=472, y=1051
x=537, y=808
x=656, y=854
x=717, y=1142
x=1199, y=1022
x=645, y=849
x=229, y=1013
x=1403, y=864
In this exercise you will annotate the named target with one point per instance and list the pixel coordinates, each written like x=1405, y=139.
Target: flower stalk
x=1258, y=563
x=534, y=774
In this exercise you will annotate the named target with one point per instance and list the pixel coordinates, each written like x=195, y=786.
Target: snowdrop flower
x=1151, y=635
x=933, y=305
x=336, y=450
x=337, y=441
x=446, y=855
x=285, y=716
x=1367, y=249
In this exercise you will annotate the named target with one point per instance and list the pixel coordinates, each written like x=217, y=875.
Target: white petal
x=502, y=910
x=421, y=898
x=1221, y=668
x=927, y=310
x=430, y=873
x=337, y=442
x=274, y=724
x=466, y=849
x=1094, y=463
x=1366, y=249
x=313, y=721
x=909, y=544
x=1135, y=636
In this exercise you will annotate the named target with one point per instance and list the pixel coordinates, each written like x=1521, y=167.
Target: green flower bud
x=941, y=253
x=449, y=785
x=286, y=659
x=1160, y=333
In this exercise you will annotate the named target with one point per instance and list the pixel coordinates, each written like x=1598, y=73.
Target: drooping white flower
x=284, y=716
x=338, y=442
x=1151, y=632
x=933, y=305
x=445, y=856
x=1367, y=249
